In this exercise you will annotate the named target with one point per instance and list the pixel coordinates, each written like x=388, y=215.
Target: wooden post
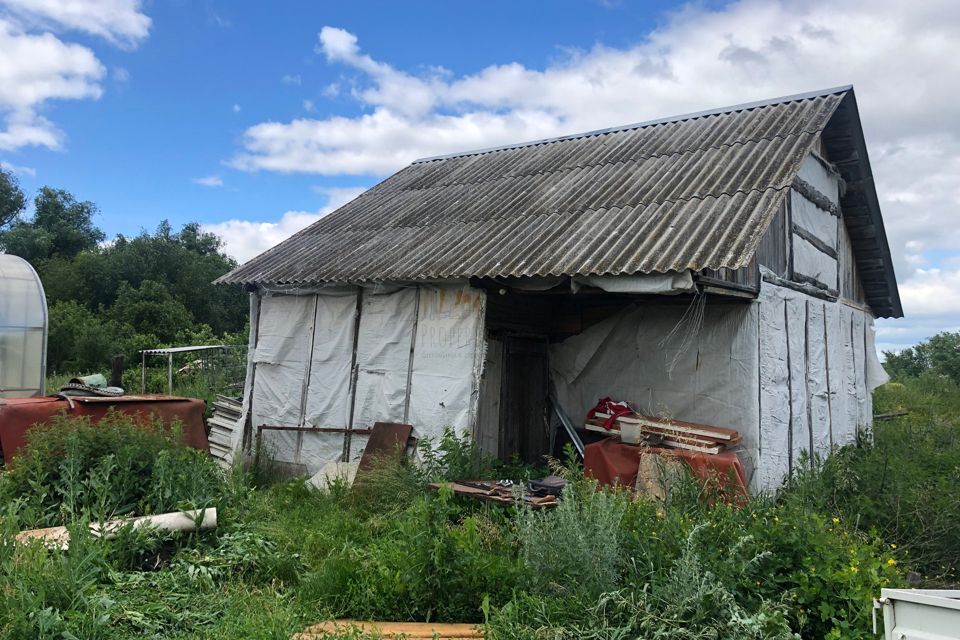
x=116, y=371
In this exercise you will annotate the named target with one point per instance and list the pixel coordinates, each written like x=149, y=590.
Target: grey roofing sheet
x=693, y=193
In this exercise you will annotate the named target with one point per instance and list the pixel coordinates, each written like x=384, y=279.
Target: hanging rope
x=686, y=330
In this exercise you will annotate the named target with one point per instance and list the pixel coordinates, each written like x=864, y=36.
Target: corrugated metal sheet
x=695, y=193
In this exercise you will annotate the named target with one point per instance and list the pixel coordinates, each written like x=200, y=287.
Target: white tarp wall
x=791, y=372
x=412, y=356
x=664, y=362
x=818, y=369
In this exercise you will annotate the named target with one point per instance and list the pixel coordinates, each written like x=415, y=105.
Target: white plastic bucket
x=630, y=431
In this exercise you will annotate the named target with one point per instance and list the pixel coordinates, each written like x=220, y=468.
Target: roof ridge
x=822, y=93
x=590, y=165
x=581, y=211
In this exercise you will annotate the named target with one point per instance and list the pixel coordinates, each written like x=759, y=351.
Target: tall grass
x=902, y=483
x=604, y=564
x=73, y=469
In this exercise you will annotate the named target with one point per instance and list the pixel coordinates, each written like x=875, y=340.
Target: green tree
x=27, y=241
x=187, y=262
x=78, y=340
x=12, y=200
x=135, y=293
x=939, y=355
x=150, y=308
x=61, y=227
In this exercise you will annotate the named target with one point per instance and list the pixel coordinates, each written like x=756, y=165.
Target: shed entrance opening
x=524, y=417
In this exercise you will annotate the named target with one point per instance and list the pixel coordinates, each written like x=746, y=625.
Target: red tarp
x=17, y=415
x=610, y=461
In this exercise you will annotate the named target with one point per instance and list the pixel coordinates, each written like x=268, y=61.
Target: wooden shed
x=722, y=267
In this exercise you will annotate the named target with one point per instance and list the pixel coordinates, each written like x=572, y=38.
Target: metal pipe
x=413, y=346
x=565, y=421
x=267, y=427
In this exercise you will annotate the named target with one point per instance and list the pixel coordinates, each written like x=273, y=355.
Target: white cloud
x=18, y=169
x=37, y=66
x=932, y=292
x=901, y=58
x=209, y=181
x=292, y=79
x=235, y=108
x=121, y=22
x=244, y=239
x=34, y=69
x=219, y=21
x=698, y=59
x=309, y=107
x=930, y=305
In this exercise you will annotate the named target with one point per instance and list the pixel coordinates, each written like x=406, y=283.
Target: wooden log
x=59, y=537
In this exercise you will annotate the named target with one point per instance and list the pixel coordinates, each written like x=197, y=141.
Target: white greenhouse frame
x=23, y=315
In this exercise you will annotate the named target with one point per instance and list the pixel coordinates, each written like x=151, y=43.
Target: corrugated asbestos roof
x=695, y=192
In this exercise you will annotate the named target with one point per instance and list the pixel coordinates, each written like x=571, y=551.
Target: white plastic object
x=630, y=431
x=23, y=329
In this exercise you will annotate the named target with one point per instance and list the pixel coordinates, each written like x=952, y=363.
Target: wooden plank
x=500, y=495
x=773, y=250
x=440, y=631
x=818, y=244
x=690, y=428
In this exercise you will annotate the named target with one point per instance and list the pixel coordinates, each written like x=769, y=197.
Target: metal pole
x=170, y=374
x=143, y=372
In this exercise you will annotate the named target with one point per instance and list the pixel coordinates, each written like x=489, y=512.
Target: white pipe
x=59, y=537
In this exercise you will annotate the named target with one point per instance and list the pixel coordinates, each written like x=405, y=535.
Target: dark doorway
x=523, y=400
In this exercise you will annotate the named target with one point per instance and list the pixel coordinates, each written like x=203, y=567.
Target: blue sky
x=166, y=116
x=257, y=118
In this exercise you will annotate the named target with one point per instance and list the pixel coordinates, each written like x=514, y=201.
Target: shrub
x=575, y=548
x=431, y=562
x=901, y=484
x=456, y=457
x=769, y=556
x=73, y=468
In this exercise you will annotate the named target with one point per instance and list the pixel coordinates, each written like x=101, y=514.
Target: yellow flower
x=854, y=570
x=836, y=521
x=893, y=546
x=891, y=562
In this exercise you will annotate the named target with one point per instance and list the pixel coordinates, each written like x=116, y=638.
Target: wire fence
x=193, y=372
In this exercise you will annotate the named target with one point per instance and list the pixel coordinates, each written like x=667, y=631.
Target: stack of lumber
x=685, y=435
x=598, y=422
x=691, y=436
x=223, y=422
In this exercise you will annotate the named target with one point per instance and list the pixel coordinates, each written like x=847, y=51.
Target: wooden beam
x=819, y=244
x=802, y=287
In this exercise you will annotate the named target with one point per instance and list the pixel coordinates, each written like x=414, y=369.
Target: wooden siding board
x=773, y=252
